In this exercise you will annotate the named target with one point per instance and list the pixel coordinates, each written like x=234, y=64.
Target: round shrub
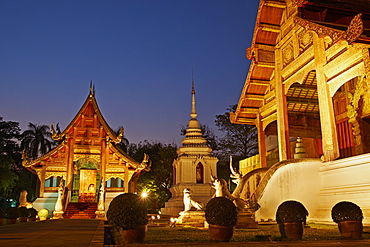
x=127, y=211
x=32, y=212
x=43, y=213
x=23, y=212
x=291, y=211
x=221, y=211
x=344, y=211
x=12, y=213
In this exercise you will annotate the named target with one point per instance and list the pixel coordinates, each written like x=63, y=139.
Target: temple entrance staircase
x=81, y=210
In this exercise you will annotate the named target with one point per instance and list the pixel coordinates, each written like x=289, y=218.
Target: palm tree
x=36, y=141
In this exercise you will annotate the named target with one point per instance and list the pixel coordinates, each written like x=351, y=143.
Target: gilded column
x=126, y=178
x=327, y=118
x=282, y=112
x=70, y=151
x=261, y=142
x=103, y=158
x=42, y=180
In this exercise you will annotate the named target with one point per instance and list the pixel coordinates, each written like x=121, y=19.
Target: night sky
x=139, y=55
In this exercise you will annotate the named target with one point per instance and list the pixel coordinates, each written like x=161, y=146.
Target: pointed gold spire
x=193, y=114
x=194, y=143
x=92, y=88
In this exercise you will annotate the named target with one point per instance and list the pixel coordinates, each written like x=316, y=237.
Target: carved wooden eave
x=353, y=32
x=49, y=155
x=258, y=90
x=262, y=54
x=132, y=163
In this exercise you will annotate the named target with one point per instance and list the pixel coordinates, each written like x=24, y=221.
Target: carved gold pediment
x=50, y=174
x=353, y=32
x=86, y=156
x=115, y=175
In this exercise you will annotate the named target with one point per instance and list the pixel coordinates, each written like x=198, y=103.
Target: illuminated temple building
x=88, y=154
x=307, y=89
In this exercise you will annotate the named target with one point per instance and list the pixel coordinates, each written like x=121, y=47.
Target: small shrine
x=193, y=168
x=86, y=163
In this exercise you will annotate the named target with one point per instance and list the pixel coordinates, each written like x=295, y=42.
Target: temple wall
x=319, y=186
x=344, y=180
x=296, y=181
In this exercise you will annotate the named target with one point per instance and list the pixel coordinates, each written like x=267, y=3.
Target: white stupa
x=192, y=168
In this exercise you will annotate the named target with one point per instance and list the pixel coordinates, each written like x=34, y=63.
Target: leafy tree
x=159, y=179
x=36, y=141
x=239, y=141
x=9, y=156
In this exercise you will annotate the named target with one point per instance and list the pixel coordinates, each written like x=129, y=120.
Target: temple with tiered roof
x=87, y=160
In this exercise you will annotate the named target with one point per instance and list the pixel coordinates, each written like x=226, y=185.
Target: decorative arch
x=350, y=74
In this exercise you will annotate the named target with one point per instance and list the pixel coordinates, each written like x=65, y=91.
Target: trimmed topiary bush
x=346, y=211
x=12, y=213
x=291, y=211
x=221, y=211
x=43, y=214
x=32, y=213
x=127, y=211
x=23, y=212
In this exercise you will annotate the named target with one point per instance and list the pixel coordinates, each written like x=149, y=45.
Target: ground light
x=144, y=194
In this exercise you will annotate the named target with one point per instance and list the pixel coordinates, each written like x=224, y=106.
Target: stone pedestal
x=194, y=218
x=57, y=215
x=201, y=193
x=100, y=214
x=246, y=220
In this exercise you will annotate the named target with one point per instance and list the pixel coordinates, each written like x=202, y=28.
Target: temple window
x=115, y=183
x=52, y=182
x=199, y=173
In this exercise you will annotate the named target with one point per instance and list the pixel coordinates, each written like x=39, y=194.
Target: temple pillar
x=70, y=153
x=261, y=142
x=126, y=178
x=103, y=158
x=282, y=112
x=327, y=118
x=42, y=181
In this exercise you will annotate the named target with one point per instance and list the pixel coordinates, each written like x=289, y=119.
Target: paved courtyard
x=67, y=232
x=81, y=232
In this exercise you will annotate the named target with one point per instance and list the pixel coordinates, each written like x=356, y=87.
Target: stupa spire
x=193, y=113
x=194, y=143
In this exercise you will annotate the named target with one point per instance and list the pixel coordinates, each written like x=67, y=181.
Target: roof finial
x=92, y=88
x=193, y=113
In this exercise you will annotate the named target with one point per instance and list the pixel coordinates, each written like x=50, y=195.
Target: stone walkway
x=81, y=233
x=67, y=232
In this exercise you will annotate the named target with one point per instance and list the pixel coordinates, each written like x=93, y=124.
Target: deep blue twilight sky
x=139, y=54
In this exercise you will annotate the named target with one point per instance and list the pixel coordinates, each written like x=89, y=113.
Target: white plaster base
x=48, y=202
